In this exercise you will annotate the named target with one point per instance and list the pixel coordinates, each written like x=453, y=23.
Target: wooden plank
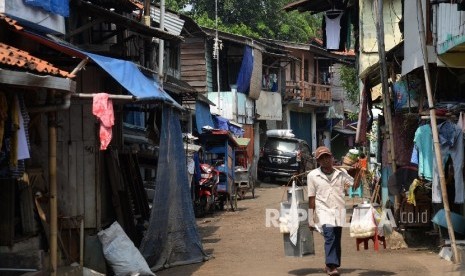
x=90, y=184
x=192, y=68
x=69, y=200
x=89, y=131
x=190, y=40
x=191, y=51
x=26, y=202
x=187, y=57
x=189, y=62
x=197, y=83
x=7, y=212
x=192, y=73
x=193, y=45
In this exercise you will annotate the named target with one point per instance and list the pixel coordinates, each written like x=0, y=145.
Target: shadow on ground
x=363, y=272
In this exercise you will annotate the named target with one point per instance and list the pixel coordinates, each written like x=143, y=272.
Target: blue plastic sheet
x=245, y=73
x=203, y=117
x=172, y=238
x=130, y=77
x=60, y=7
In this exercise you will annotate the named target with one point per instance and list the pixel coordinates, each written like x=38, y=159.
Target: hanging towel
x=103, y=109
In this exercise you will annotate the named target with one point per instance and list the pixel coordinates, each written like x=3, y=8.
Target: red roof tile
x=14, y=57
x=10, y=21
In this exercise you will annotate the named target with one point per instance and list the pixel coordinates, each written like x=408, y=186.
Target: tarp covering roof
x=130, y=77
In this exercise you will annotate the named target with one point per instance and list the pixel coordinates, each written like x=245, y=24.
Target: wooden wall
x=193, y=63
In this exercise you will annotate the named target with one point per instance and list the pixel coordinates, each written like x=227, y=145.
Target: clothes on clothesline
x=451, y=145
x=15, y=146
x=103, y=108
x=423, y=141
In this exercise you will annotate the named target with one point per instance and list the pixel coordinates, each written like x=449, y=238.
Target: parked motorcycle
x=205, y=192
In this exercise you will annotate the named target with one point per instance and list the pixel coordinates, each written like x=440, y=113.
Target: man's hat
x=322, y=150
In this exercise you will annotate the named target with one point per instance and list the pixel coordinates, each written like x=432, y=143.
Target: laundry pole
x=434, y=128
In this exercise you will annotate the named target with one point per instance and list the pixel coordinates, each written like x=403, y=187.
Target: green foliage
x=252, y=18
x=349, y=81
x=352, y=116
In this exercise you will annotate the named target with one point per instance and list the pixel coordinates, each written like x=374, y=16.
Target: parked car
x=283, y=157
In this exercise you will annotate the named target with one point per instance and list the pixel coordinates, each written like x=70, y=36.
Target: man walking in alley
x=326, y=190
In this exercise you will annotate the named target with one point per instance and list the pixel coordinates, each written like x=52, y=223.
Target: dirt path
x=240, y=244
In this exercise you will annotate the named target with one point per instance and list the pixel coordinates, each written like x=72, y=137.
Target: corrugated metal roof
x=173, y=23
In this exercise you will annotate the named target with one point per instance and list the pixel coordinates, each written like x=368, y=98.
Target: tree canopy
x=252, y=18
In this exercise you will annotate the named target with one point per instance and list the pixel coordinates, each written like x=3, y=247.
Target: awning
x=242, y=142
x=124, y=72
x=130, y=77
x=344, y=131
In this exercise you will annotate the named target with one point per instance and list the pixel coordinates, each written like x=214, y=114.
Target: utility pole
x=216, y=53
x=161, y=43
x=378, y=4
x=434, y=128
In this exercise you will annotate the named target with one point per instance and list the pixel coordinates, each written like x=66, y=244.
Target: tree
x=253, y=18
x=349, y=81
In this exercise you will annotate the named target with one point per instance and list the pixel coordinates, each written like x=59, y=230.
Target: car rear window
x=282, y=145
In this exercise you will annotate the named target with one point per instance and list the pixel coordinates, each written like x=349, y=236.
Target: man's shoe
x=332, y=271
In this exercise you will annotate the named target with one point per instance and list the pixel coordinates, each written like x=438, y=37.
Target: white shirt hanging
x=333, y=31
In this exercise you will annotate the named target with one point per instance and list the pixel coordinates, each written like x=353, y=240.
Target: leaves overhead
x=252, y=18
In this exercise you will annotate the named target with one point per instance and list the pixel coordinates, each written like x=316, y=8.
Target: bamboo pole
x=437, y=149
x=385, y=89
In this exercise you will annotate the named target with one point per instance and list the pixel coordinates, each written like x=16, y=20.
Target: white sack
x=120, y=252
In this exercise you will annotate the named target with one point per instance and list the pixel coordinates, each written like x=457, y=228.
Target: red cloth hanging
x=102, y=107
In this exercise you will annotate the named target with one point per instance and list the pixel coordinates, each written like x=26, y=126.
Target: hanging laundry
x=103, y=108
x=424, y=143
x=23, y=132
x=333, y=32
x=460, y=123
x=451, y=145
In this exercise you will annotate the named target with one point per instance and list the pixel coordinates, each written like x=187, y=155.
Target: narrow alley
x=239, y=243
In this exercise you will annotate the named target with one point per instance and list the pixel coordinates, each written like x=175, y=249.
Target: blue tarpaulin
x=225, y=124
x=172, y=237
x=60, y=7
x=245, y=73
x=130, y=77
x=203, y=117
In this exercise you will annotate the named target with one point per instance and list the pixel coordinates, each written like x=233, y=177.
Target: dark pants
x=332, y=245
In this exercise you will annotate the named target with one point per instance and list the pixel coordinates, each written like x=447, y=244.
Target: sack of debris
x=121, y=253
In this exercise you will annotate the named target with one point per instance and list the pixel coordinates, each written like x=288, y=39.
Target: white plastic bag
x=293, y=222
x=363, y=224
x=120, y=252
